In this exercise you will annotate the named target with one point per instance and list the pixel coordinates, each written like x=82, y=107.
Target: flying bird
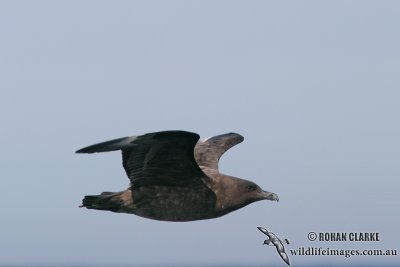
x=175, y=177
x=273, y=240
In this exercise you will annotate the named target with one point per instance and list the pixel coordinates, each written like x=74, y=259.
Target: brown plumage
x=175, y=178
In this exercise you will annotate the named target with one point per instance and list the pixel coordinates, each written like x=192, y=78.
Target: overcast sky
x=313, y=86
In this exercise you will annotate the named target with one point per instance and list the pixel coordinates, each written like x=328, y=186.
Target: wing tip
x=239, y=138
x=111, y=145
x=82, y=150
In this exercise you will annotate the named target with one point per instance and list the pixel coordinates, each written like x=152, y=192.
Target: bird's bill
x=270, y=196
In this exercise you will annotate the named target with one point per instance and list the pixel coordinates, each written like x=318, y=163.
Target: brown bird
x=175, y=178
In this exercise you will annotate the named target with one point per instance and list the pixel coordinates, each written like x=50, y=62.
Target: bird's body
x=175, y=178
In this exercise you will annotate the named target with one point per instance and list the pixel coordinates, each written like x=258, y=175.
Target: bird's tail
x=105, y=201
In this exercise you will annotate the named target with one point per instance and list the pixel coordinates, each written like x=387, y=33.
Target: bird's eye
x=251, y=187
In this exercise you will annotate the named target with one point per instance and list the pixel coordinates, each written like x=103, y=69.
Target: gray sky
x=312, y=85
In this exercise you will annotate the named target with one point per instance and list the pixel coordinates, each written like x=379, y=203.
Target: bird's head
x=268, y=242
x=239, y=193
x=255, y=193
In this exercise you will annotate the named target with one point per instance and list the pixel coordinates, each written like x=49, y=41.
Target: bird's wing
x=282, y=253
x=271, y=235
x=208, y=152
x=160, y=158
x=265, y=231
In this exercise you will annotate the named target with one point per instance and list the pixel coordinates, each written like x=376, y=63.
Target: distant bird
x=273, y=240
x=175, y=178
